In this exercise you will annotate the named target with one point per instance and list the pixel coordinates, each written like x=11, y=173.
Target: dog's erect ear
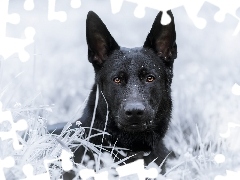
x=100, y=41
x=161, y=38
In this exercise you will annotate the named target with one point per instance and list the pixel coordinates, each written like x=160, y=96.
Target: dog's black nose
x=134, y=109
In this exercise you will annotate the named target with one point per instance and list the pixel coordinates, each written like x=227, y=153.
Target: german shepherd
x=131, y=96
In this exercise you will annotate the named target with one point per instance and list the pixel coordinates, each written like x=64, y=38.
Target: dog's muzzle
x=134, y=116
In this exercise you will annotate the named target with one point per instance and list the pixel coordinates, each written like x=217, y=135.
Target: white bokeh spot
x=230, y=125
x=230, y=175
x=22, y=125
x=27, y=169
x=75, y=4
x=67, y=164
x=7, y=162
x=53, y=15
x=219, y=16
x=13, y=18
x=236, y=89
x=219, y=158
x=28, y=5
x=166, y=19
x=116, y=5
x=88, y=173
x=137, y=167
x=139, y=12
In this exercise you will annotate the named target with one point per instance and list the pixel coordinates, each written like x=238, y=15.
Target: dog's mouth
x=134, y=127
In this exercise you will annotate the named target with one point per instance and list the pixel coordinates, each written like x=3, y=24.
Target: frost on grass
x=37, y=145
x=42, y=152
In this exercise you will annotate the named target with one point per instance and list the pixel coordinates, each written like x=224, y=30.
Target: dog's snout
x=134, y=109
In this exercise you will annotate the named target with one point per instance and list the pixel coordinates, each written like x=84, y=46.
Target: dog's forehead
x=134, y=58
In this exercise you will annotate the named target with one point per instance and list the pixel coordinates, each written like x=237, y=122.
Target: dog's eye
x=150, y=78
x=117, y=80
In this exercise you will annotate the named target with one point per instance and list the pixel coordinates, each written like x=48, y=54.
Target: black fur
x=134, y=87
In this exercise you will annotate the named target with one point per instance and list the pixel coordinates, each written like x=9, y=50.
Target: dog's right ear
x=100, y=42
x=162, y=38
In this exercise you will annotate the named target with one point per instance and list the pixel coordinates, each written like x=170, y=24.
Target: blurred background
x=58, y=76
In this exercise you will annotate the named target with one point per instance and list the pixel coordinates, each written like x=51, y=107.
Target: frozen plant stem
x=98, y=161
x=93, y=118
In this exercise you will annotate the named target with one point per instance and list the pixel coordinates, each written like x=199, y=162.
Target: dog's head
x=134, y=82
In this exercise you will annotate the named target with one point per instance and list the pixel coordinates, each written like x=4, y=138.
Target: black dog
x=134, y=85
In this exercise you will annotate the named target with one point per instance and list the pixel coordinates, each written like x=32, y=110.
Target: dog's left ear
x=100, y=42
x=162, y=38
